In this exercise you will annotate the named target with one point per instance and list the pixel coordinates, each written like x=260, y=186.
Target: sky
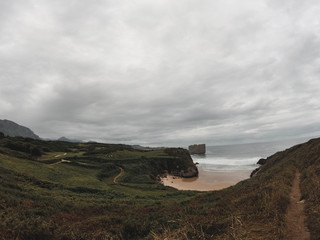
x=162, y=72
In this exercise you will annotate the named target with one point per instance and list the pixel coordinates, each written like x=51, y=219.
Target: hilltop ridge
x=13, y=129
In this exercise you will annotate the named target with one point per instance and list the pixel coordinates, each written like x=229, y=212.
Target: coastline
x=207, y=180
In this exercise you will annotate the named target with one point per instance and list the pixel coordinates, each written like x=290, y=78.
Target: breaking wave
x=226, y=164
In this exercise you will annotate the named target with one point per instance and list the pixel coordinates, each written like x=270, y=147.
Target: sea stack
x=197, y=149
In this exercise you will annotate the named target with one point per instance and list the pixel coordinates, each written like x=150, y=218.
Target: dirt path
x=119, y=175
x=60, y=155
x=295, y=217
x=60, y=161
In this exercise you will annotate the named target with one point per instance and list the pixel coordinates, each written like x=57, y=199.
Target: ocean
x=224, y=166
x=240, y=156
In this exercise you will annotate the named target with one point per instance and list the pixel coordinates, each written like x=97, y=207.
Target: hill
x=110, y=191
x=13, y=129
x=64, y=139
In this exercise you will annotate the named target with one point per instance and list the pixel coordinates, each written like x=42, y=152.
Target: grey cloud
x=161, y=72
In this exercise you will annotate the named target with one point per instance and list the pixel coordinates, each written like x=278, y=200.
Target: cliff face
x=182, y=164
x=13, y=129
x=197, y=149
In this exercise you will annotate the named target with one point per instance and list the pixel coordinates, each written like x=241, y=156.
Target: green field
x=61, y=190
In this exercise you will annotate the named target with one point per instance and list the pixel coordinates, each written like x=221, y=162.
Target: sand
x=207, y=180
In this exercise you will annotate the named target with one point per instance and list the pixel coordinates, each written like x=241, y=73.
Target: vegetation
x=308, y=159
x=66, y=191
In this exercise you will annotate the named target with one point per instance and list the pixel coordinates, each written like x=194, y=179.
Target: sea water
x=240, y=156
x=224, y=166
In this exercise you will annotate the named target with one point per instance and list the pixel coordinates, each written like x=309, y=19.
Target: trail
x=119, y=175
x=61, y=160
x=295, y=216
x=60, y=155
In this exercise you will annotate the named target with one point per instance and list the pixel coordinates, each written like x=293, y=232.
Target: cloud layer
x=162, y=72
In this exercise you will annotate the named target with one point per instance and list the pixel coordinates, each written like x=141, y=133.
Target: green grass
x=56, y=173
x=56, y=156
x=78, y=199
x=308, y=160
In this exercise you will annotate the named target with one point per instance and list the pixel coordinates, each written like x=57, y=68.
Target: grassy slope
x=309, y=163
x=41, y=200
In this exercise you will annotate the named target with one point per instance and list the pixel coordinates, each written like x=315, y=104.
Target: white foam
x=222, y=163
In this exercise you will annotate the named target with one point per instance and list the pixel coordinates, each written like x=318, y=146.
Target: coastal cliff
x=182, y=164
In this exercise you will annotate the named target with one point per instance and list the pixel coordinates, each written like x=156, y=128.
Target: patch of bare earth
x=295, y=216
x=119, y=175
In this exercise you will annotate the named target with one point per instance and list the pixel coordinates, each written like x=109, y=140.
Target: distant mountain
x=13, y=129
x=64, y=139
x=139, y=147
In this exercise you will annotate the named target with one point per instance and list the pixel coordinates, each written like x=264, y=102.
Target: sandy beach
x=207, y=180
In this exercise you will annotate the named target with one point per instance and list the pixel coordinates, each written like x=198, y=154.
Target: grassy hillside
x=42, y=197
x=66, y=190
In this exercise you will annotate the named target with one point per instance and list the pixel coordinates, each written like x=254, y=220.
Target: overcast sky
x=162, y=72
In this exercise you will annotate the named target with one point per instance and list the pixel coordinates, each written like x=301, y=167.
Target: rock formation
x=191, y=172
x=262, y=161
x=182, y=164
x=197, y=149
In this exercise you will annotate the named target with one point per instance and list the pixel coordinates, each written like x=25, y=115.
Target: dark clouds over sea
x=161, y=72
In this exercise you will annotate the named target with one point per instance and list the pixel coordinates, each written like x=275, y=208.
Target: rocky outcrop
x=262, y=161
x=181, y=164
x=254, y=172
x=190, y=172
x=197, y=149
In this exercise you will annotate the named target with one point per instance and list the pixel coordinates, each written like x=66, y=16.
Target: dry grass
x=69, y=201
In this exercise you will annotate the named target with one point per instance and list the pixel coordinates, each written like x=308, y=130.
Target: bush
x=108, y=170
x=36, y=152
